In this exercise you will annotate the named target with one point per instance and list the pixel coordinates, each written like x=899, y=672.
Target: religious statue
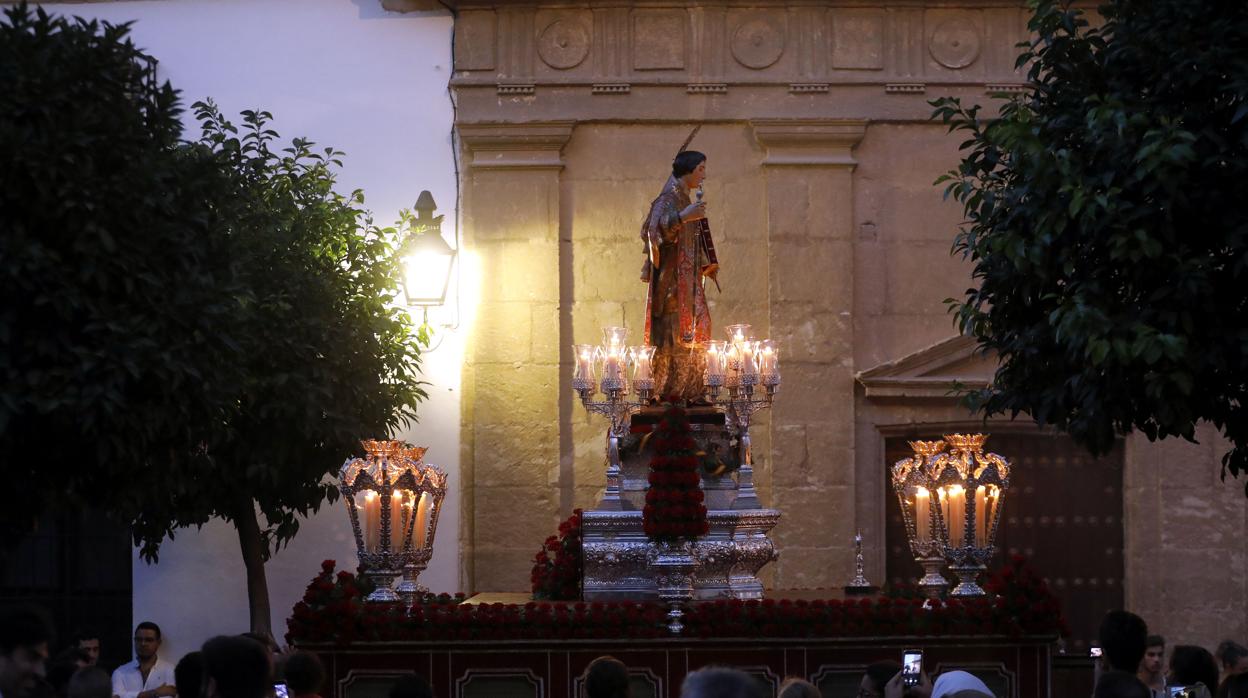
x=679, y=256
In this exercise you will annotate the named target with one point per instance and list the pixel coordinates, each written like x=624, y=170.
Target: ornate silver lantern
x=912, y=481
x=393, y=499
x=970, y=486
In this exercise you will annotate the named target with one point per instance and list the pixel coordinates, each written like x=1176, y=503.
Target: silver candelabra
x=611, y=360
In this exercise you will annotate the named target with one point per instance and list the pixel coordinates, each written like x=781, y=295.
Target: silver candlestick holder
x=611, y=360
x=859, y=586
x=741, y=366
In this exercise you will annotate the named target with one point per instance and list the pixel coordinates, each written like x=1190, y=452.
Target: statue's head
x=686, y=161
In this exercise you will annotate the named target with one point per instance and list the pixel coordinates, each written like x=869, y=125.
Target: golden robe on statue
x=677, y=319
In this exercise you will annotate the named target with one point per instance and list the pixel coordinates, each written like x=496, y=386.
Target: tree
x=1107, y=227
x=201, y=330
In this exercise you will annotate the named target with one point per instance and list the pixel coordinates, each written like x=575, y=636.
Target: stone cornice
x=809, y=142
x=537, y=145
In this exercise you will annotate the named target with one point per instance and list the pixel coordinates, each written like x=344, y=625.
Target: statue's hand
x=694, y=212
x=711, y=270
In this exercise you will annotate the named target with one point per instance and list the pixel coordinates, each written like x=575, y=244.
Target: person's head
x=63, y=666
x=146, y=640
x=606, y=677
x=720, y=682
x=1154, y=654
x=1232, y=656
x=88, y=640
x=798, y=688
x=90, y=682
x=1190, y=665
x=25, y=634
x=411, y=686
x=304, y=674
x=188, y=675
x=1235, y=686
x=1124, y=639
x=955, y=683
x=876, y=676
x=236, y=667
x=1120, y=684
x=690, y=168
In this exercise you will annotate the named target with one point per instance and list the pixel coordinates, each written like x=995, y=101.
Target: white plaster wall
x=346, y=74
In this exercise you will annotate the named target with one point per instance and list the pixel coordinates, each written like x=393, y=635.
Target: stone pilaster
x=510, y=447
x=809, y=173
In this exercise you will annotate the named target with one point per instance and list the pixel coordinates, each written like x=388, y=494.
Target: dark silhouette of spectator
x=606, y=677
x=237, y=667
x=188, y=675
x=1124, y=641
x=721, y=682
x=1233, y=658
x=798, y=688
x=1153, y=669
x=1120, y=684
x=90, y=682
x=304, y=675
x=63, y=666
x=148, y=676
x=1191, y=665
x=959, y=684
x=1235, y=686
x=87, y=640
x=877, y=677
x=25, y=634
x=411, y=686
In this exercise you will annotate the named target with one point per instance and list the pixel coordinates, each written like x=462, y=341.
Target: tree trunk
x=252, y=545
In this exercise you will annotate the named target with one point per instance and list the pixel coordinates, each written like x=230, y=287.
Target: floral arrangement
x=557, y=569
x=674, y=510
x=1026, y=597
x=333, y=611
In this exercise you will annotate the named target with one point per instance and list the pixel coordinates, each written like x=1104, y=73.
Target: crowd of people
x=1132, y=664
x=227, y=666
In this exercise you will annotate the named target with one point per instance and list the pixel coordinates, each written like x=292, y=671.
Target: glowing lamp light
x=427, y=259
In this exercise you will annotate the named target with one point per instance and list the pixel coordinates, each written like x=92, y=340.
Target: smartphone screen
x=280, y=690
x=911, y=667
x=1178, y=691
x=1096, y=652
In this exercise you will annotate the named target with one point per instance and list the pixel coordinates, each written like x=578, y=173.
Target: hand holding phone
x=911, y=667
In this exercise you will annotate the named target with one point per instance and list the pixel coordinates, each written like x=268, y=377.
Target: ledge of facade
x=809, y=142
x=534, y=145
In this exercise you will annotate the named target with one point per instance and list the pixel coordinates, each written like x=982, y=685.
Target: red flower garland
x=333, y=611
x=674, y=508
x=559, y=579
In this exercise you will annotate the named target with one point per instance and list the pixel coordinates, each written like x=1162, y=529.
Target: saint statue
x=679, y=256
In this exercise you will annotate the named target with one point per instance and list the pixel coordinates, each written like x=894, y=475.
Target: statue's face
x=694, y=179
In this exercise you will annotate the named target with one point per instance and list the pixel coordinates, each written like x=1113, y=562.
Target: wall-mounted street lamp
x=427, y=259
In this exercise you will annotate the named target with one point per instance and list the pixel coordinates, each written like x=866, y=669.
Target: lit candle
x=372, y=521
x=981, y=515
x=641, y=363
x=748, y=365
x=422, y=521
x=767, y=358
x=922, y=515
x=584, y=362
x=714, y=359
x=955, y=517
x=398, y=519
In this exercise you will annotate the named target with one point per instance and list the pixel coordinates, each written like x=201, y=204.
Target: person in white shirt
x=147, y=676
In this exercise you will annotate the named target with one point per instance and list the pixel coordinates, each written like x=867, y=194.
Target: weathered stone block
x=519, y=394
x=519, y=270
x=503, y=333
x=817, y=273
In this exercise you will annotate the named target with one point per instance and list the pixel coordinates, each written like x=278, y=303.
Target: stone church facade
x=833, y=240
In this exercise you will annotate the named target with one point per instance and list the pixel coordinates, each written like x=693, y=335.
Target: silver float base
x=617, y=555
